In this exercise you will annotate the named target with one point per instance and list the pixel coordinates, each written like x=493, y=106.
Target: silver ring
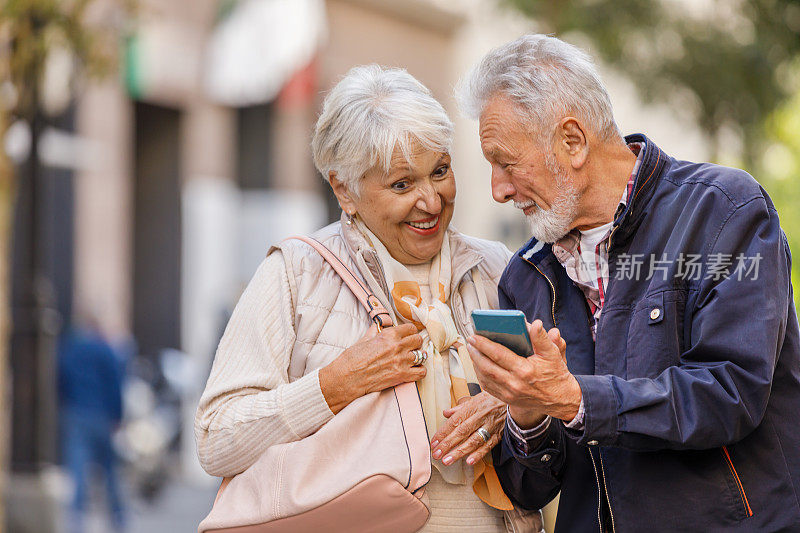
x=419, y=357
x=485, y=435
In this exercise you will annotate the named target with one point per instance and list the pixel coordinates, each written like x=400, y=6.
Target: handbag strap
x=408, y=400
x=377, y=312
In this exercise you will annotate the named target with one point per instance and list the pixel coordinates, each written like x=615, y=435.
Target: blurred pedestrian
x=90, y=398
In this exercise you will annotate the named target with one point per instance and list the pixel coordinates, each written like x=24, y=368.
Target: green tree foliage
x=30, y=30
x=780, y=175
x=734, y=63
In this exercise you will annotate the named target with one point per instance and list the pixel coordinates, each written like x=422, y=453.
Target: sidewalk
x=179, y=509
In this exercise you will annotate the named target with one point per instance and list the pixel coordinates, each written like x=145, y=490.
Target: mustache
x=524, y=205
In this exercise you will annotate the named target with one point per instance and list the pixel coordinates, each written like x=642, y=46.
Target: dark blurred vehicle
x=149, y=436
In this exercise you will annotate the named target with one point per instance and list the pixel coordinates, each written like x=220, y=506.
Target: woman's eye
x=441, y=171
x=400, y=185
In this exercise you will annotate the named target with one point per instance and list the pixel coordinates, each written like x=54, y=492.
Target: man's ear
x=343, y=194
x=572, y=139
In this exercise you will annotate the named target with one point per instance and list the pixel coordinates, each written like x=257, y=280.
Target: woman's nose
x=429, y=200
x=502, y=188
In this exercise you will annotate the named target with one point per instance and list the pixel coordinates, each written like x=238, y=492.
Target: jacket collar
x=654, y=162
x=652, y=168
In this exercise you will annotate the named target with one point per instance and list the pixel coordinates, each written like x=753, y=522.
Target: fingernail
x=437, y=454
x=447, y=460
x=471, y=461
x=434, y=443
x=471, y=340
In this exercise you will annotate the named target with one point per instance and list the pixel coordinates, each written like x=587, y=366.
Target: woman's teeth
x=424, y=225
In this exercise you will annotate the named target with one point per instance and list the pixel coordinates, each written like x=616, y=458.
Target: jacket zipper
x=608, y=498
x=599, y=502
x=600, y=489
x=600, y=455
x=604, y=488
x=552, y=288
x=610, y=235
x=742, y=494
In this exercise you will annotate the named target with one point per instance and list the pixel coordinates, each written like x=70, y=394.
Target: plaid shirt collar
x=567, y=250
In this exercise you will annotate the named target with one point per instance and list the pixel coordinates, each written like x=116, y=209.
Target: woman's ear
x=343, y=194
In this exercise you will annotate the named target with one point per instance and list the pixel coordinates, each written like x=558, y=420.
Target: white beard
x=549, y=225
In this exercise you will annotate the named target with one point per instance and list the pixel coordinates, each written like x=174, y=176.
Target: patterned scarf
x=449, y=367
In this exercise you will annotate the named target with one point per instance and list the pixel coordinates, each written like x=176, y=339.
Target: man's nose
x=429, y=199
x=502, y=188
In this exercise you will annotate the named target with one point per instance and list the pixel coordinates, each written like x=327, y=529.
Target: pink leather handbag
x=365, y=470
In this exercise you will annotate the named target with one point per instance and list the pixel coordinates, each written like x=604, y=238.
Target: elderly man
x=676, y=406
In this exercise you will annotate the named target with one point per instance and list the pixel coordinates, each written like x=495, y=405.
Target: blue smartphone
x=504, y=326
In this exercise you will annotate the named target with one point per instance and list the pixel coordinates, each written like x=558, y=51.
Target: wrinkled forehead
x=413, y=156
x=501, y=117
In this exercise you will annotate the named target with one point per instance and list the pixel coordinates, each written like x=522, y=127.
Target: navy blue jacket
x=692, y=389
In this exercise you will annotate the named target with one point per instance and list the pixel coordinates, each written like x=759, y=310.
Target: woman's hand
x=459, y=437
x=376, y=362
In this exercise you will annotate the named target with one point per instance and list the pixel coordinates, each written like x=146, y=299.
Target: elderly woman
x=298, y=348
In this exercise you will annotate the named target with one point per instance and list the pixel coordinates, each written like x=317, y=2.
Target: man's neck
x=609, y=172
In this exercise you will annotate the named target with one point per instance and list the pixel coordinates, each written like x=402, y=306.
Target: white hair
x=548, y=78
x=368, y=114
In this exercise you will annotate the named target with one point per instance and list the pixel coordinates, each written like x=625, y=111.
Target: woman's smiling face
x=409, y=207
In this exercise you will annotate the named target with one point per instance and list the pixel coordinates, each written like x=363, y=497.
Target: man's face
x=526, y=173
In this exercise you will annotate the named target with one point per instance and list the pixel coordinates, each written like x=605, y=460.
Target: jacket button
x=592, y=443
x=655, y=313
x=545, y=458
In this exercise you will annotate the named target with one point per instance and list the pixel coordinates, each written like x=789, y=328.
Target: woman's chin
x=423, y=254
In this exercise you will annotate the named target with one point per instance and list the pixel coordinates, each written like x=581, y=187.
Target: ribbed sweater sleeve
x=248, y=403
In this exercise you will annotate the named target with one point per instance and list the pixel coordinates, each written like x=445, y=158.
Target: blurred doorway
x=157, y=229
x=254, y=146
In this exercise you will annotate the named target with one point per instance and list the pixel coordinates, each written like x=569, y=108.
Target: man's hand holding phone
x=534, y=386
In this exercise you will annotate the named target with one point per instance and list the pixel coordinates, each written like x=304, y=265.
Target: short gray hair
x=368, y=114
x=547, y=78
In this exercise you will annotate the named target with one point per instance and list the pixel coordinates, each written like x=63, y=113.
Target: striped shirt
x=588, y=269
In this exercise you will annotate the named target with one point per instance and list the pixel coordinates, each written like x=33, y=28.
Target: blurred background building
x=163, y=185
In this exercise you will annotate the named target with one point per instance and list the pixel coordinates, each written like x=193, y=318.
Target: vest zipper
x=552, y=288
x=382, y=280
x=458, y=318
x=739, y=486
